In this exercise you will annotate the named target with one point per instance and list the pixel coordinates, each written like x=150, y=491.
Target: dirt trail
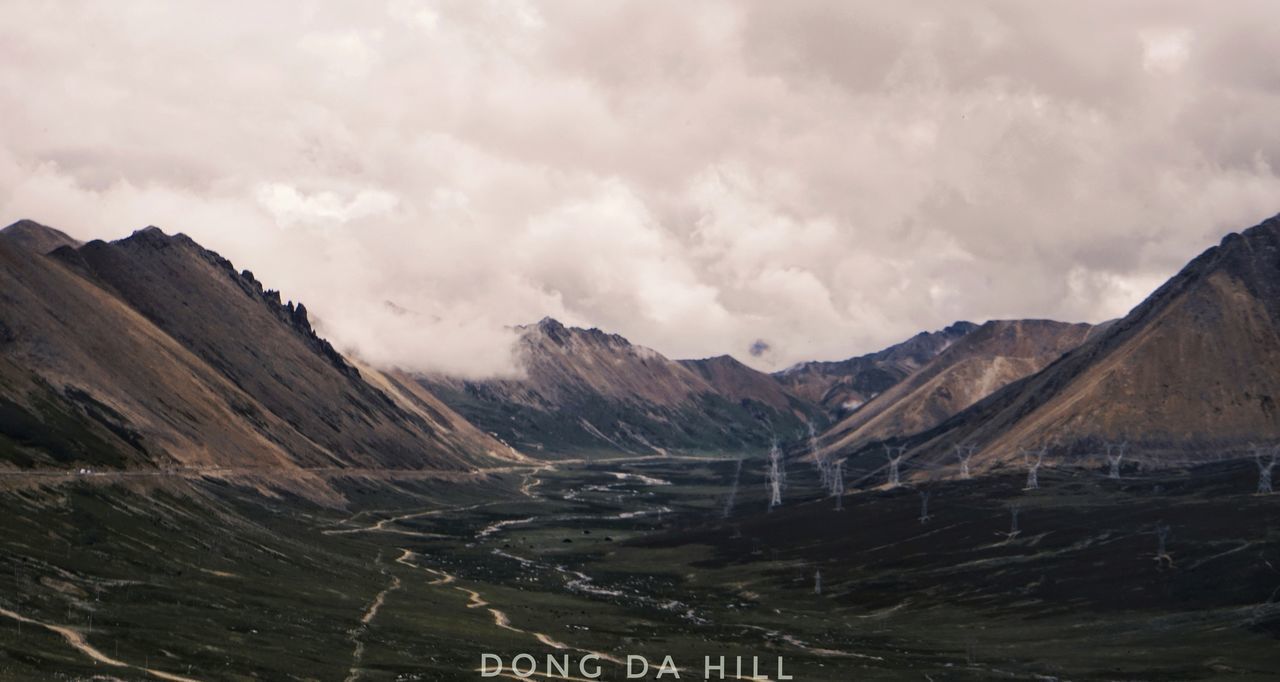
x=404, y=560
x=475, y=600
x=77, y=640
x=366, y=619
x=500, y=619
x=806, y=647
x=499, y=525
x=378, y=601
x=381, y=526
x=441, y=578
x=532, y=481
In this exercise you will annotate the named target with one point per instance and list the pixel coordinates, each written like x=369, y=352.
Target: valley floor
x=1159, y=576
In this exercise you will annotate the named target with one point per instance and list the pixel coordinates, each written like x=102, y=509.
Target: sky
x=777, y=181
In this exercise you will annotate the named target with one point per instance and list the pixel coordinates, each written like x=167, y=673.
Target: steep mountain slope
x=1192, y=373
x=843, y=386
x=585, y=391
x=89, y=380
x=153, y=351
x=736, y=381
x=984, y=360
x=37, y=238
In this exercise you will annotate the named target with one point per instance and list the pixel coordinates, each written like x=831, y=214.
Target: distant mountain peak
x=590, y=390
x=33, y=236
x=965, y=371
x=150, y=233
x=959, y=328
x=553, y=329
x=563, y=335
x=723, y=360
x=1189, y=372
x=158, y=237
x=26, y=224
x=838, y=385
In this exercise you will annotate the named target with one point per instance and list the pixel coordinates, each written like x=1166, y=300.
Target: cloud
x=289, y=206
x=832, y=177
x=1165, y=50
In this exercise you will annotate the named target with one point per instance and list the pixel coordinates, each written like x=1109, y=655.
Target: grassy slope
x=239, y=584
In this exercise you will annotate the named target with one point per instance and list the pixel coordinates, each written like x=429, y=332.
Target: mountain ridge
x=1191, y=373
x=586, y=390
x=33, y=236
x=158, y=339
x=997, y=353
x=842, y=386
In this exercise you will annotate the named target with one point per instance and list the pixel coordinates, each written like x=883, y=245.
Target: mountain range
x=843, y=386
x=1190, y=374
x=985, y=359
x=152, y=351
x=586, y=392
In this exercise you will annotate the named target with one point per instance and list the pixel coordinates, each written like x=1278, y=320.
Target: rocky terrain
x=736, y=381
x=152, y=351
x=586, y=391
x=843, y=386
x=1190, y=374
x=36, y=238
x=982, y=361
x=642, y=516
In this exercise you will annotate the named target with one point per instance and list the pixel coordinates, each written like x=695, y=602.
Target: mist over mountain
x=586, y=391
x=152, y=351
x=1188, y=371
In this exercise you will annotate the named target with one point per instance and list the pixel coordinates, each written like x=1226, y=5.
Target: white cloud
x=351, y=54
x=1165, y=50
x=418, y=14
x=290, y=206
x=827, y=177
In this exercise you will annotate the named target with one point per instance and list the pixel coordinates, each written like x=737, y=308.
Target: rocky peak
x=33, y=236
x=723, y=360
x=181, y=262
x=958, y=329
x=298, y=316
x=26, y=225
x=150, y=236
x=560, y=335
x=553, y=330
x=549, y=323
